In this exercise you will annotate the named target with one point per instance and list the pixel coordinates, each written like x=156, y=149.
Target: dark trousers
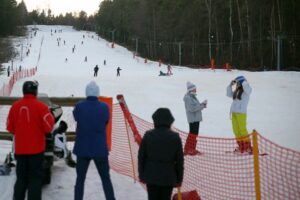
x=156, y=192
x=103, y=170
x=95, y=73
x=29, y=172
x=194, y=128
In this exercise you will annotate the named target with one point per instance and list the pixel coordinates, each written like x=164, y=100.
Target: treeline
x=245, y=33
x=11, y=16
x=79, y=20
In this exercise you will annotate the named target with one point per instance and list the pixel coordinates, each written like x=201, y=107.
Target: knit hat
x=162, y=117
x=240, y=79
x=92, y=89
x=190, y=86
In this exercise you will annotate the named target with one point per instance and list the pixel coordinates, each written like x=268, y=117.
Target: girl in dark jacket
x=160, y=157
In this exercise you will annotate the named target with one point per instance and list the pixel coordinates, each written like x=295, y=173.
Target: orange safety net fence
x=217, y=173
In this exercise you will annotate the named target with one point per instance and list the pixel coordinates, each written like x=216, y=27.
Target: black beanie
x=162, y=117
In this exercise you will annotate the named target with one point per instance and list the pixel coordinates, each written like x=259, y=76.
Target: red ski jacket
x=29, y=120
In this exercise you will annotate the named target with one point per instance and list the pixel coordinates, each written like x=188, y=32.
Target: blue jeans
x=103, y=170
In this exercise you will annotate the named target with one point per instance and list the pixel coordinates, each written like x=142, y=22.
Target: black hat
x=30, y=87
x=162, y=117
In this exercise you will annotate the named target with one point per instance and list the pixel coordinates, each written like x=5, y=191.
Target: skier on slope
x=169, y=72
x=118, y=71
x=238, y=111
x=96, y=69
x=194, y=116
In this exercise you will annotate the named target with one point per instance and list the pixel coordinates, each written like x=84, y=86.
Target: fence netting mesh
x=217, y=173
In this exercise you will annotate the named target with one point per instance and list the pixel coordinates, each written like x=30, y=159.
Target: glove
x=240, y=79
x=178, y=184
x=143, y=182
x=205, y=103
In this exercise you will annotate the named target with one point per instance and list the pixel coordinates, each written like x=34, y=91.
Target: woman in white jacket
x=238, y=111
x=193, y=110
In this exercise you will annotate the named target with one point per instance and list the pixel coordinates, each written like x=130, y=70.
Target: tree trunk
x=249, y=34
x=241, y=29
x=231, y=30
x=272, y=35
x=208, y=6
x=279, y=15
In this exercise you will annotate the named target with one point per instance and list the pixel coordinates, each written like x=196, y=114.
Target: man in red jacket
x=29, y=120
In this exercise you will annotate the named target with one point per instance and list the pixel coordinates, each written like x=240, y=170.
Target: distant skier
x=118, y=71
x=20, y=68
x=162, y=73
x=96, y=69
x=64, y=42
x=66, y=60
x=169, y=70
x=81, y=42
x=8, y=71
x=85, y=59
x=104, y=62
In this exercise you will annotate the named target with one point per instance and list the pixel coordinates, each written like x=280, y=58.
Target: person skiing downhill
x=169, y=72
x=96, y=69
x=118, y=71
x=238, y=111
x=194, y=116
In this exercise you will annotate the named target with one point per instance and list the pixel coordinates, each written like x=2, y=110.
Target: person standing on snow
x=238, y=111
x=29, y=120
x=169, y=72
x=118, y=71
x=160, y=157
x=92, y=117
x=8, y=71
x=96, y=69
x=193, y=110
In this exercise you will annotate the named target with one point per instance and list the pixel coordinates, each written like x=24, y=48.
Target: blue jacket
x=92, y=117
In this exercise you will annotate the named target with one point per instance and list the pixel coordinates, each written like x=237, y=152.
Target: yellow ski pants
x=239, y=126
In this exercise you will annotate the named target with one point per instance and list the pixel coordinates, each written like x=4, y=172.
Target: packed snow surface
x=273, y=109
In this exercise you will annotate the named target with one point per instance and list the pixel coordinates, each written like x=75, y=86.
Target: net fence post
x=256, y=165
x=130, y=150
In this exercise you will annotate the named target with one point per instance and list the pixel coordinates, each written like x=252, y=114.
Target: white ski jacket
x=193, y=108
x=240, y=106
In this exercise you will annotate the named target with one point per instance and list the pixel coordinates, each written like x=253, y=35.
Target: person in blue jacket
x=92, y=117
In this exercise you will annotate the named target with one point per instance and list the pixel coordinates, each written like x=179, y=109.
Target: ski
x=245, y=154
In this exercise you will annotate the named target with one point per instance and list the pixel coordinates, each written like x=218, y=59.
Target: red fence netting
x=7, y=88
x=217, y=173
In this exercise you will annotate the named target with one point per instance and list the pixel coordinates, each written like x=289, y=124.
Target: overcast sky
x=63, y=6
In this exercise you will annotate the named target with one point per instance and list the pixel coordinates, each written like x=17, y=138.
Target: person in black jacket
x=160, y=157
x=96, y=69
